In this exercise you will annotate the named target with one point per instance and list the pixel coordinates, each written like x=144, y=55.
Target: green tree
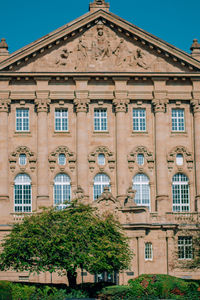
x=66, y=241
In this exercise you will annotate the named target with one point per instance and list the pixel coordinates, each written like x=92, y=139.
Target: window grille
x=22, y=193
x=61, y=119
x=22, y=119
x=141, y=185
x=100, y=182
x=180, y=193
x=140, y=159
x=178, y=119
x=100, y=119
x=139, y=119
x=185, y=250
x=148, y=251
x=62, y=190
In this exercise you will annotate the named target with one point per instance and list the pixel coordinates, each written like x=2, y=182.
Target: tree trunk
x=71, y=276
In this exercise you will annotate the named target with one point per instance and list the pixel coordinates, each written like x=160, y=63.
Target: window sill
x=140, y=132
x=175, y=133
x=28, y=133
x=61, y=133
x=101, y=132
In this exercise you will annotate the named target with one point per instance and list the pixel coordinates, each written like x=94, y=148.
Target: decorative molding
x=195, y=104
x=5, y=105
x=42, y=105
x=81, y=105
x=121, y=105
x=109, y=156
x=70, y=159
x=14, y=159
x=159, y=105
x=148, y=157
x=188, y=159
x=130, y=196
x=106, y=197
x=79, y=193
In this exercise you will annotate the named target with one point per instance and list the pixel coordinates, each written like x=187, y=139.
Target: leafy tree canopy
x=66, y=240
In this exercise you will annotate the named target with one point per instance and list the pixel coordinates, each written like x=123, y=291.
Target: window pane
x=22, y=193
x=179, y=159
x=22, y=159
x=100, y=182
x=180, y=193
x=140, y=159
x=178, y=119
x=139, y=119
x=62, y=190
x=148, y=251
x=100, y=119
x=141, y=185
x=185, y=247
x=61, y=159
x=61, y=119
x=101, y=159
x=22, y=119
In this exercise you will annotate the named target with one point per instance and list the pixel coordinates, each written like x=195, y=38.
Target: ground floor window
x=185, y=247
x=107, y=277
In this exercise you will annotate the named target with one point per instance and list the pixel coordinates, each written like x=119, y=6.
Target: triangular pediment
x=100, y=42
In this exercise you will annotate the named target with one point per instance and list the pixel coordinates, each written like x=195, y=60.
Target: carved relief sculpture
x=148, y=157
x=14, y=159
x=70, y=158
x=110, y=159
x=188, y=159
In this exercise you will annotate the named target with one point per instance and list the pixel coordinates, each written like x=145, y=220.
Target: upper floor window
x=180, y=193
x=22, y=119
x=100, y=182
x=185, y=247
x=100, y=119
x=179, y=159
x=62, y=190
x=101, y=159
x=139, y=119
x=22, y=193
x=62, y=159
x=178, y=119
x=148, y=255
x=22, y=159
x=61, y=119
x=140, y=159
x=141, y=185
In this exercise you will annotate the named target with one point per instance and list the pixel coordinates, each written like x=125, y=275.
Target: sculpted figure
x=81, y=52
x=137, y=58
x=121, y=52
x=63, y=57
x=101, y=48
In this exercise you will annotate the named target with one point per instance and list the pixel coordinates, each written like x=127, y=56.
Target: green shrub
x=22, y=292
x=5, y=290
x=115, y=292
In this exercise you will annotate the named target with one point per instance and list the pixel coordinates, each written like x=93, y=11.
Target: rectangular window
x=100, y=119
x=178, y=119
x=22, y=119
x=139, y=119
x=61, y=119
x=185, y=247
x=148, y=251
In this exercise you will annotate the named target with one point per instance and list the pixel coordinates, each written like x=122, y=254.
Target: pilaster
x=42, y=107
x=160, y=107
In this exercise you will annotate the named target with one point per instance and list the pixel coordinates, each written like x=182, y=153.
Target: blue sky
x=175, y=21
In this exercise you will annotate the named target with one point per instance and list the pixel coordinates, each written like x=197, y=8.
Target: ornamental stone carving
x=148, y=158
x=120, y=105
x=109, y=159
x=188, y=159
x=130, y=196
x=70, y=159
x=30, y=159
x=4, y=105
x=81, y=105
x=159, y=105
x=79, y=193
x=42, y=105
x=195, y=103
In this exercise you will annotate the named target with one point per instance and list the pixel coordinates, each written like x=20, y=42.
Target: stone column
x=4, y=108
x=120, y=104
x=162, y=186
x=81, y=106
x=196, y=111
x=42, y=106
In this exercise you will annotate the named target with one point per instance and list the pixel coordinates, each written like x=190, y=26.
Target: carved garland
x=14, y=159
x=70, y=159
x=110, y=159
x=188, y=159
x=148, y=157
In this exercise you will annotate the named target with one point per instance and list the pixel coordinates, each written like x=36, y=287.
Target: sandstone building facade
x=103, y=111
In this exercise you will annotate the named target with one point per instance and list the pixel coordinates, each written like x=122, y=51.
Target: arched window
x=100, y=182
x=180, y=193
x=22, y=193
x=141, y=185
x=62, y=159
x=62, y=190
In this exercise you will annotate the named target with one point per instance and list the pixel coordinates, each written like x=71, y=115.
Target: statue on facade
x=81, y=53
x=101, y=47
x=62, y=60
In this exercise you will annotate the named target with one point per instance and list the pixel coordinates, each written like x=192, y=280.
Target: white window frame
x=178, y=186
x=63, y=119
x=100, y=184
x=62, y=183
x=101, y=159
x=178, y=122
x=139, y=187
x=100, y=119
x=26, y=181
x=148, y=251
x=24, y=159
x=185, y=248
x=23, y=119
x=59, y=155
x=139, y=121
x=140, y=158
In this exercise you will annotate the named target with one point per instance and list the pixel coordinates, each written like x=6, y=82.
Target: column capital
x=159, y=105
x=42, y=105
x=81, y=105
x=4, y=105
x=120, y=105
